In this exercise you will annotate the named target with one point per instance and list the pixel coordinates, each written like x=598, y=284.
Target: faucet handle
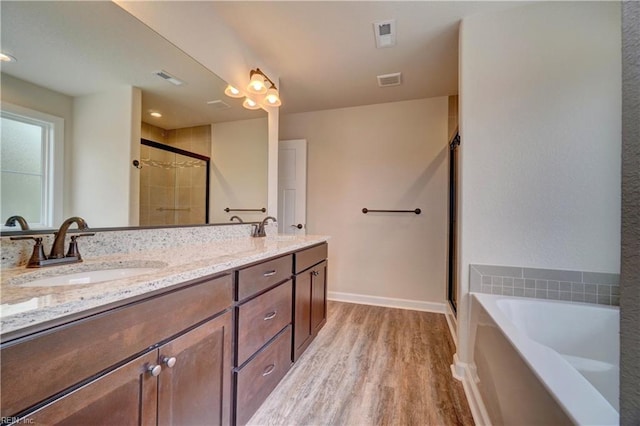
x=28, y=237
x=73, y=245
x=38, y=256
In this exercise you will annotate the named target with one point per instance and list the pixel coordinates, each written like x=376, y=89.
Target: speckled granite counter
x=25, y=307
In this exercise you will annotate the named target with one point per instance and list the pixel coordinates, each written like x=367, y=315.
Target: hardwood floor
x=371, y=366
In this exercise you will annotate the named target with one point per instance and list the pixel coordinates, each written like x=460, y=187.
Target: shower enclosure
x=174, y=186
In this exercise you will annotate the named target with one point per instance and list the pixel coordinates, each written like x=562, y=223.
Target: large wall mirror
x=88, y=84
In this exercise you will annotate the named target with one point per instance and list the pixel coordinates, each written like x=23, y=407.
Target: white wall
x=386, y=156
x=28, y=95
x=238, y=179
x=104, y=132
x=540, y=126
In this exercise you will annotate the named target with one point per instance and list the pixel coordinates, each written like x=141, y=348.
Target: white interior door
x=292, y=187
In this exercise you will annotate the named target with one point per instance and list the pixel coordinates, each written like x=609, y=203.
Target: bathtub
x=539, y=362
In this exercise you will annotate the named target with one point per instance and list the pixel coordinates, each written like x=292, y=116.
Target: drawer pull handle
x=154, y=370
x=169, y=361
x=269, y=274
x=269, y=369
x=270, y=315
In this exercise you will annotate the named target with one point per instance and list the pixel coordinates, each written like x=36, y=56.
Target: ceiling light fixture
x=250, y=104
x=272, y=98
x=4, y=57
x=232, y=92
x=155, y=114
x=257, y=86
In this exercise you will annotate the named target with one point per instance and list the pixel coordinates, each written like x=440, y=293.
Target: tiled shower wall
x=554, y=284
x=182, y=188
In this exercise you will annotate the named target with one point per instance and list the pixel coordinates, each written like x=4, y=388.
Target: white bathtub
x=545, y=362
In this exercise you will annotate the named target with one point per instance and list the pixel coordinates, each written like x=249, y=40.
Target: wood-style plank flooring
x=371, y=366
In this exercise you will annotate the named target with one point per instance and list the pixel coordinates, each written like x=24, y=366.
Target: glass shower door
x=173, y=186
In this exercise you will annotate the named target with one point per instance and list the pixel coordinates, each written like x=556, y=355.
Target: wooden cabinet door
x=196, y=389
x=318, y=297
x=302, y=316
x=125, y=396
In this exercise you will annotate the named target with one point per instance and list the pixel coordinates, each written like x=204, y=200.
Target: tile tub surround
x=183, y=263
x=555, y=284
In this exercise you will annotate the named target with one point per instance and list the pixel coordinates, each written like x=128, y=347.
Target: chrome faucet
x=13, y=219
x=236, y=217
x=57, y=256
x=258, y=229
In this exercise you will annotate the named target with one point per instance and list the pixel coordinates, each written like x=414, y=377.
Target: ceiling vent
x=387, y=80
x=166, y=76
x=218, y=104
x=385, y=32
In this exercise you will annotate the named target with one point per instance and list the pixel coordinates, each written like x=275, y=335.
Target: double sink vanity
x=195, y=333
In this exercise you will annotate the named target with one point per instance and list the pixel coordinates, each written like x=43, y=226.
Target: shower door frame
x=190, y=154
x=452, y=264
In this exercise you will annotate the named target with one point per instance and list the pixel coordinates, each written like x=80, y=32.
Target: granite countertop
x=24, y=307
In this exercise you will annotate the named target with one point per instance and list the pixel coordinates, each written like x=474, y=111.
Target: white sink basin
x=88, y=277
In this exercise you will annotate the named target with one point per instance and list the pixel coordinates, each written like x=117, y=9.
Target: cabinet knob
x=314, y=273
x=268, y=369
x=270, y=315
x=155, y=370
x=169, y=361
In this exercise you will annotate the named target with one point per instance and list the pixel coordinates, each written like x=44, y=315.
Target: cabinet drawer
x=259, y=277
x=63, y=356
x=261, y=375
x=262, y=318
x=305, y=259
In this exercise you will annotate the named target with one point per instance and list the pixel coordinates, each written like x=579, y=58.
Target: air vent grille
x=385, y=32
x=218, y=104
x=387, y=80
x=168, y=77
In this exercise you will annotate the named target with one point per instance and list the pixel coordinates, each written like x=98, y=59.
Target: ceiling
x=82, y=48
x=326, y=55
x=324, y=52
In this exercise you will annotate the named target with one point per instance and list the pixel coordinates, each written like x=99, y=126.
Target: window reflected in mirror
x=28, y=167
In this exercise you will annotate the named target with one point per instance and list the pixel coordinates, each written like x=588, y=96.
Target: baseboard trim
x=452, y=323
x=389, y=302
x=462, y=371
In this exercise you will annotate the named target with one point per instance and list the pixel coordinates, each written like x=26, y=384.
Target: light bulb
x=250, y=104
x=232, y=92
x=7, y=58
x=256, y=85
x=272, y=98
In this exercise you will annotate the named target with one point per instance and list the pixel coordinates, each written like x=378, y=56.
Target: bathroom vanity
x=207, y=349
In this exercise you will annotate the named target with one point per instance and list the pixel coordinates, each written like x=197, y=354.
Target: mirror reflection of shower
x=174, y=185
